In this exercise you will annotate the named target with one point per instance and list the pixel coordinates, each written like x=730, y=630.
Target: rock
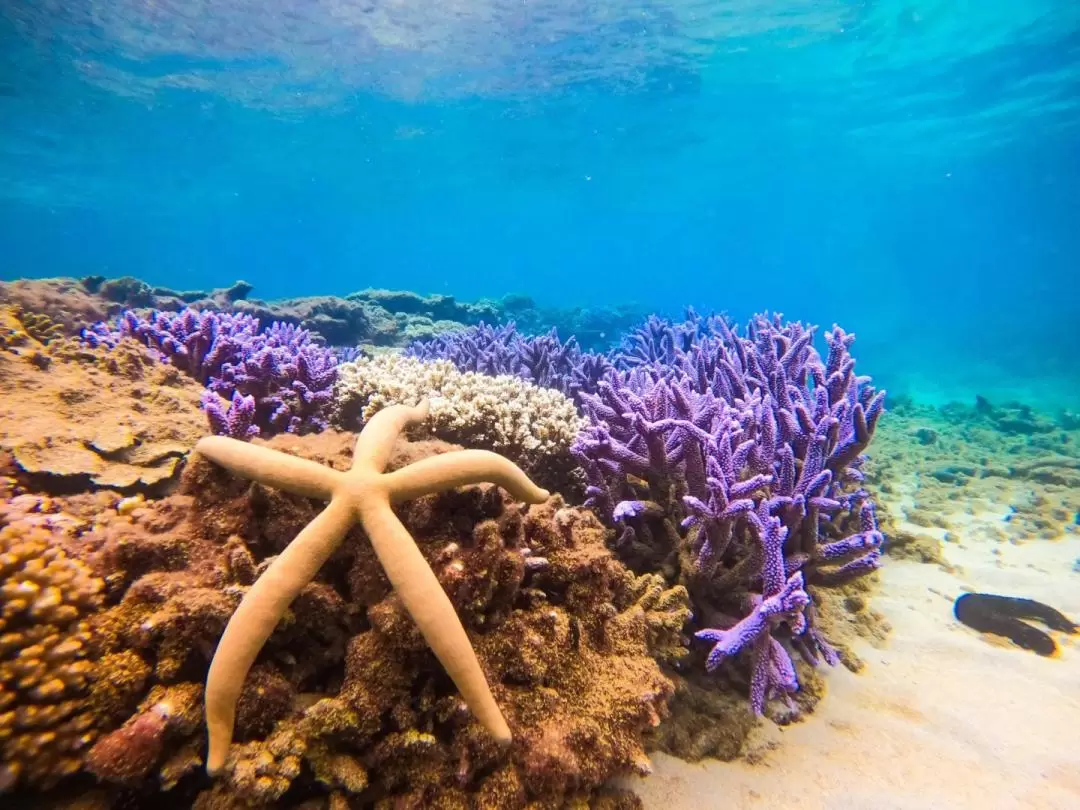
x=67, y=301
x=91, y=419
x=926, y=435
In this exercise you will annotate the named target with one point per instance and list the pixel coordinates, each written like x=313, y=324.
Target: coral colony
x=720, y=458
x=274, y=380
x=730, y=463
x=393, y=642
x=363, y=494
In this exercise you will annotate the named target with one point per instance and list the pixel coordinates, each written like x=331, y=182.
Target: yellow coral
x=504, y=413
x=40, y=327
x=666, y=611
x=45, y=597
x=19, y=327
x=263, y=771
x=12, y=331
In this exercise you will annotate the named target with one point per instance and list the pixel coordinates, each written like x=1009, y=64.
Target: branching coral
x=533, y=426
x=544, y=360
x=733, y=465
x=274, y=379
x=45, y=599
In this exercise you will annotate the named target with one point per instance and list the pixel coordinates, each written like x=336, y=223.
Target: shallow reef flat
x=725, y=496
x=941, y=716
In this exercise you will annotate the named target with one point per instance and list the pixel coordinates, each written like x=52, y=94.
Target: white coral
x=506, y=414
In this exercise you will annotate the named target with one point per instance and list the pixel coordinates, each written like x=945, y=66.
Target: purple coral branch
x=283, y=378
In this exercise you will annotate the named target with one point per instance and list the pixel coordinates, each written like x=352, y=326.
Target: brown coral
x=40, y=327
x=45, y=597
x=76, y=419
x=346, y=700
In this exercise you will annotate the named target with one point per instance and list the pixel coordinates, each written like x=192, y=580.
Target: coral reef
x=346, y=702
x=1013, y=487
x=65, y=301
x=726, y=501
x=1016, y=418
x=533, y=426
x=594, y=328
x=362, y=495
x=372, y=318
x=78, y=418
x=734, y=466
x=277, y=378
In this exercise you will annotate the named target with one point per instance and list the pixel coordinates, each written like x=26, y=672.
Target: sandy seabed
x=941, y=717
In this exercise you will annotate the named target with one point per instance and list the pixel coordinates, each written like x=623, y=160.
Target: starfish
x=364, y=494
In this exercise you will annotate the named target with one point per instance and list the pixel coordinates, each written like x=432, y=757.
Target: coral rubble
x=1010, y=486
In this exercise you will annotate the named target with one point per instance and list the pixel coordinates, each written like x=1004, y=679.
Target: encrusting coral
x=361, y=495
x=346, y=703
x=79, y=418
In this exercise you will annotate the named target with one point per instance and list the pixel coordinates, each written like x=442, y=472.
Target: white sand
x=940, y=718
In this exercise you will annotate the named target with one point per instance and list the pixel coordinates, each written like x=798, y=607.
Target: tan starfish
x=364, y=494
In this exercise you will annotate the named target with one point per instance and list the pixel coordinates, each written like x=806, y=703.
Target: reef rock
x=75, y=418
x=346, y=704
x=65, y=300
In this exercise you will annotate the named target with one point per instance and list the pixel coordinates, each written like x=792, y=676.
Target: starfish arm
x=419, y=590
x=271, y=468
x=259, y=613
x=460, y=467
x=377, y=439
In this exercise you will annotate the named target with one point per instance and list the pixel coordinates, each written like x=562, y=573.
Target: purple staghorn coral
x=235, y=419
x=545, y=360
x=733, y=464
x=276, y=379
x=197, y=343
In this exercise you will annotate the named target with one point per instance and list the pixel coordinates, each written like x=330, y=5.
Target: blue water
x=908, y=169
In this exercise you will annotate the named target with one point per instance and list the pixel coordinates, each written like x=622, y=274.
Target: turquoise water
x=908, y=169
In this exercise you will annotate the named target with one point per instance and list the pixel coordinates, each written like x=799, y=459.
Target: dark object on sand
x=1001, y=615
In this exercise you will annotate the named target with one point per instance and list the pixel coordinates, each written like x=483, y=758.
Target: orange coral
x=44, y=672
